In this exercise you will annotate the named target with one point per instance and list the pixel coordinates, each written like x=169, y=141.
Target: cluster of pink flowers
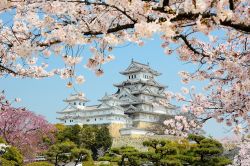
x=23, y=129
x=242, y=156
x=181, y=126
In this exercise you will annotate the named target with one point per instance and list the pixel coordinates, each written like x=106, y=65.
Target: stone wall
x=143, y=125
x=114, y=129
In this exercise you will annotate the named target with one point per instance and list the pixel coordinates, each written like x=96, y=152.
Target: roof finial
x=148, y=63
x=132, y=60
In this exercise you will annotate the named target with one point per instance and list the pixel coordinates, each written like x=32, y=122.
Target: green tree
x=4, y=162
x=208, y=151
x=103, y=142
x=119, y=155
x=195, y=151
x=67, y=151
x=39, y=164
x=95, y=138
x=88, y=136
x=71, y=133
x=91, y=137
x=81, y=154
x=61, y=153
x=13, y=154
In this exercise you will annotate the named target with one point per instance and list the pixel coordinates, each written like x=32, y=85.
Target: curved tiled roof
x=137, y=67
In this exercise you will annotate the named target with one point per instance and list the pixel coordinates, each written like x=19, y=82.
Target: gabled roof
x=131, y=109
x=107, y=97
x=137, y=67
x=76, y=97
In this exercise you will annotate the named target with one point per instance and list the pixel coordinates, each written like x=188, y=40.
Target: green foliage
x=92, y=137
x=39, y=164
x=4, y=162
x=82, y=155
x=88, y=136
x=89, y=162
x=60, y=127
x=196, y=151
x=61, y=152
x=118, y=155
x=2, y=140
x=13, y=156
x=67, y=151
x=95, y=138
x=208, y=151
x=103, y=140
x=71, y=133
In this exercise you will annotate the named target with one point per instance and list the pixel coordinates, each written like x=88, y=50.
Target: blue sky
x=45, y=96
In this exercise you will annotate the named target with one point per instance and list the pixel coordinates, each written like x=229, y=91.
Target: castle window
x=129, y=77
x=88, y=120
x=74, y=103
x=135, y=76
x=95, y=119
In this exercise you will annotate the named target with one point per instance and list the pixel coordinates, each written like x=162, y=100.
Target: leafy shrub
x=12, y=154
x=89, y=162
x=4, y=162
x=39, y=164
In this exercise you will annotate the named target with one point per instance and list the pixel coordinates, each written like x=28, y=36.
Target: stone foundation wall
x=114, y=129
x=143, y=125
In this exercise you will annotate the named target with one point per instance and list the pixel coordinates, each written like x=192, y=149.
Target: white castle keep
x=139, y=103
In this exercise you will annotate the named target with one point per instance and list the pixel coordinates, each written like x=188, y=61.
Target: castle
x=139, y=103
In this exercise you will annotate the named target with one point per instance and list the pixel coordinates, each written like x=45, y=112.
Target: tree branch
x=3, y=68
x=231, y=4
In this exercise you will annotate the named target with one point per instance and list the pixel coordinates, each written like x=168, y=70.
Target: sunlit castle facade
x=139, y=103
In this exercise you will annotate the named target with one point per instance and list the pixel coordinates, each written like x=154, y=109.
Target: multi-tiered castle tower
x=139, y=103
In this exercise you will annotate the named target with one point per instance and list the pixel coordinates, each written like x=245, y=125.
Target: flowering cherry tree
x=23, y=129
x=242, y=154
x=63, y=29
x=243, y=158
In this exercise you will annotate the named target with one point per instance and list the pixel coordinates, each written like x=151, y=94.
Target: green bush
x=196, y=150
x=88, y=163
x=12, y=154
x=4, y=162
x=39, y=164
x=88, y=160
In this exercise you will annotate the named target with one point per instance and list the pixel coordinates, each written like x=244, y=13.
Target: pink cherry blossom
x=23, y=129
